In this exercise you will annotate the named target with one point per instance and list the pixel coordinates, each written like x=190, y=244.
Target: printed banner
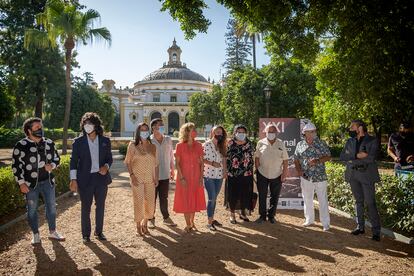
x=289, y=132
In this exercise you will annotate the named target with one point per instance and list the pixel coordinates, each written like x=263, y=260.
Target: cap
x=308, y=127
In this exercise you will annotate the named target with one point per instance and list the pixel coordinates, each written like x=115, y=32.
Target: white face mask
x=271, y=136
x=144, y=134
x=89, y=128
x=241, y=136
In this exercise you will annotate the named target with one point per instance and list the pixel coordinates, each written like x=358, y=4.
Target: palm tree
x=244, y=30
x=63, y=23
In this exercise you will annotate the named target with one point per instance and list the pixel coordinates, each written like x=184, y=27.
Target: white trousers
x=308, y=191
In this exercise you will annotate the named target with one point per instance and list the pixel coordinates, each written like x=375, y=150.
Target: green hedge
x=12, y=199
x=394, y=196
x=123, y=149
x=9, y=137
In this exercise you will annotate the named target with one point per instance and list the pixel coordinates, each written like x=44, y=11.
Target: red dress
x=189, y=199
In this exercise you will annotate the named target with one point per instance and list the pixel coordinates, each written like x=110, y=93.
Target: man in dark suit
x=361, y=172
x=89, y=172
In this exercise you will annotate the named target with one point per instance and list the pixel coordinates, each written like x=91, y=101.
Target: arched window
x=155, y=115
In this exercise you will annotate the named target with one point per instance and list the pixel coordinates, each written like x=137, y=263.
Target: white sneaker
x=326, y=228
x=56, y=236
x=36, y=239
x=306, y=224
x=151, y=224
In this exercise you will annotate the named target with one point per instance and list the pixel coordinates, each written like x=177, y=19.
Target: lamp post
x=268, y=94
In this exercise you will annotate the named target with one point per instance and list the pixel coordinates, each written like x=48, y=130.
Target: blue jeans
x=47, y=191
x=213, y=187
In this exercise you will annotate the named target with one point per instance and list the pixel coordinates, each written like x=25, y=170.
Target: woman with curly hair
x=189, y=192
x=239, y=173
x=142, y=162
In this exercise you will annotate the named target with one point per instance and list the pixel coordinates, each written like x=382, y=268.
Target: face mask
x=193, y=134
x=219, y=138
x=352, y=133
x=144, y=134
x=89, y=128
x=271, y=136
x=241, y=136
x=161, y=129
x=38, y=133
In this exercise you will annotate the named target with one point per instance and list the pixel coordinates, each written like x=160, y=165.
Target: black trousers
x=97, y=189
x=162, y=192
x=240, y=190
x=263, y=185
x=365, y=193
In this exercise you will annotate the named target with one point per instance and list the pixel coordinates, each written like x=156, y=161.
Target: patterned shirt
x=304, y=152
x=239, y=159
x=212, y=154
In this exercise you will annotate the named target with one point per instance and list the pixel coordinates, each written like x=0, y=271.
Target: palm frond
x=34, y=38
x=98, y=34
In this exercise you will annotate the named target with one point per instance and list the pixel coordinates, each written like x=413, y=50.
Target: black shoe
x=233, y=220
x=272, y=220
x=100, y=236
x=244, y=218
x=216, y=223
x=86, y=239
x=260, y=220
x=376, y=237
x=358, y=231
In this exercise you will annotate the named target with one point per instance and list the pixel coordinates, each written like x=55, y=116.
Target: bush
x=123, y=149
x=12, y=199
x=336, y=150
x=394, y=196
x=9, y=137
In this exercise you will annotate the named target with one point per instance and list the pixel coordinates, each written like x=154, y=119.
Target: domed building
x=164, y=93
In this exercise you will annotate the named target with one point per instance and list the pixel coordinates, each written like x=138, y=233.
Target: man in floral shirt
x=310, y=156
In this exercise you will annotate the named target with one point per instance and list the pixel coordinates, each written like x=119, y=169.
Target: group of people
x=196, y=167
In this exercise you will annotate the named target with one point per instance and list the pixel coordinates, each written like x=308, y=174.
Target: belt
x=359, y=167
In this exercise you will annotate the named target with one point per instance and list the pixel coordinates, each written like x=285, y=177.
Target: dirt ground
x=243, y=249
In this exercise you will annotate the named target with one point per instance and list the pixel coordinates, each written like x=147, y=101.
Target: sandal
x=144, y=229
x=193, y=227
x=187, y=229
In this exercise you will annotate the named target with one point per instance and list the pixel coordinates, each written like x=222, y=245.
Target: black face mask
x=353, y=133
x=403, y=134
x=219, y=138
x=38, y=133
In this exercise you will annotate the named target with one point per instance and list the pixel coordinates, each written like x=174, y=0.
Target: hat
x=308, y=127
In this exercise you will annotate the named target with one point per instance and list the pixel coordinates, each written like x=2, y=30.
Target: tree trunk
x=69, y=45
x=39, y=104
x=254, y=51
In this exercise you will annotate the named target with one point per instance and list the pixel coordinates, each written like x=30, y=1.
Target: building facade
x=164, y=93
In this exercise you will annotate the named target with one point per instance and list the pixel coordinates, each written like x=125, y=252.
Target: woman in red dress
x=189, y=192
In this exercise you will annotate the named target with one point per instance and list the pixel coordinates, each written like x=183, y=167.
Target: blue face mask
x=161, y=129
x=241, y=136
x=144, y=134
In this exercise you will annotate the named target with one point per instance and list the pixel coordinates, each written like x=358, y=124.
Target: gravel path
x=242, y=249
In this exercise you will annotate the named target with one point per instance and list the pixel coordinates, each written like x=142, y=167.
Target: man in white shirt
x=166, y=168
x=271, y=162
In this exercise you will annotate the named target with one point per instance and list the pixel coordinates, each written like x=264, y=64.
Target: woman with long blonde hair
x=189, y=191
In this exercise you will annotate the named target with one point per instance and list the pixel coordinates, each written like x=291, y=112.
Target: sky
x=141, y=35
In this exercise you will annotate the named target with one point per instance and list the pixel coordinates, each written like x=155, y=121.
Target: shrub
x=12, y=199
x=123, y=149
x=9, y=137
x=394, y=196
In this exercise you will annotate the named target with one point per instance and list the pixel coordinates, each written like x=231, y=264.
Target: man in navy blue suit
x=89, y=172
